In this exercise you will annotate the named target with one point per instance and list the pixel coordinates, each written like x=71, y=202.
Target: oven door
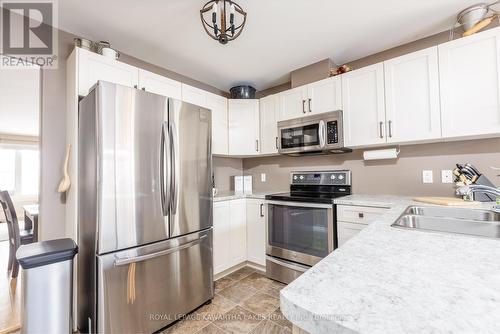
x=297, y=136
x=300, y=232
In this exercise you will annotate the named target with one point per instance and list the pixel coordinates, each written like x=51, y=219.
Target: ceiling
x=280, y=35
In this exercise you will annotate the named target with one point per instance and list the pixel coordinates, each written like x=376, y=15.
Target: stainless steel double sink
x=479, y=223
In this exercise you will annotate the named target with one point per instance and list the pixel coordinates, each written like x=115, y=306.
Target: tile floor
x=245, y=302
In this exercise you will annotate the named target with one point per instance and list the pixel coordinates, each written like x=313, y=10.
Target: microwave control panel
x=332, y=132
x=334, y=177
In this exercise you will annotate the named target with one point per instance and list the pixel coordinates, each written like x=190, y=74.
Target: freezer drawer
x=144, y=289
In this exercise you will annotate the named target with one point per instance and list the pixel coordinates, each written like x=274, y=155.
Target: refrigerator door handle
x=174, y=172
x=128, y=260
x=165, y=169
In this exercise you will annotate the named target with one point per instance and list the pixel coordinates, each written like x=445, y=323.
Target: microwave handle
x=322, y=134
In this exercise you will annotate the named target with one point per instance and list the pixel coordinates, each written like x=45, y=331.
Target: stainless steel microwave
x=315, y=134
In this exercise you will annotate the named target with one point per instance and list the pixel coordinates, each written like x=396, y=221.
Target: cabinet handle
x=277, y=144
x=262, y=209
x=304, y=106
x=143, y=88
x=135, y=86
x=309, y=103
x=257, y=145
x=380, y=129
x=390, y=129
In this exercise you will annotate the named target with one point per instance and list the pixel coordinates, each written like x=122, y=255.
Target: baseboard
x=239, y=266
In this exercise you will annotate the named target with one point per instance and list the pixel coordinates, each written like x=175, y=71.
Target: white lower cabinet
x=351, y=219
x=222, y=234
x=256, y=231
x=238, y=231
x=230, y=234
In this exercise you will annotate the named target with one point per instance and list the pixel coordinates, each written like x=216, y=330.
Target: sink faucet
x=467, y=192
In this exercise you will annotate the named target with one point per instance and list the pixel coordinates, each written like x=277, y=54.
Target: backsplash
x=395, y=177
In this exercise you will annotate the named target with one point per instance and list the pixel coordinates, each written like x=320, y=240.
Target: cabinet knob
x=361, y=215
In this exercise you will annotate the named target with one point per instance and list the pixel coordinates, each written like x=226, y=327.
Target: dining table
x=31, y=219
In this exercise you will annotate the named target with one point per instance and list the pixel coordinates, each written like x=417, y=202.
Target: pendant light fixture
x=223, y=20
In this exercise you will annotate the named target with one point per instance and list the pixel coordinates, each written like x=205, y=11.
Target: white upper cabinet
x=243, y=115
x=194, y=95
x=93, y=67
x=158, y=84
x=315, y=98
x=324, y=95
x=364, y=106
x=268, y=124
x=293, y=103
x=469, y=78
x=412, y=97
x=220, y=130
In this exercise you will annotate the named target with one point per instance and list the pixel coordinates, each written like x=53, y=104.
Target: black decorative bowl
x=242, y=92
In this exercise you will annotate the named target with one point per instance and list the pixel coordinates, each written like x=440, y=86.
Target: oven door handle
x=301, y=204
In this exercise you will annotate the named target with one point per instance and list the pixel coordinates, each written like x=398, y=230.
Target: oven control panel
x=334, y=177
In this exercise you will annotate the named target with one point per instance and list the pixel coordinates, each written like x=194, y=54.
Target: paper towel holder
x=388, y=153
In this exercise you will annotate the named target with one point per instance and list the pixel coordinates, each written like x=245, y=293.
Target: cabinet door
x=412, y=97
x=243, y=118
x=325, y=95
x=364, y=106
x=469, y=79
x=93, y=67
x=220, y=130
x=222, y=236
x=158, y=84
x=194, y=95
x=292, y=103
x=268, y=124
x=346, y=231
x=238, y=234
x=256, y=231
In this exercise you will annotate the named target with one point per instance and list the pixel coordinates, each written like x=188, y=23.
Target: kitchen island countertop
x=389, y=280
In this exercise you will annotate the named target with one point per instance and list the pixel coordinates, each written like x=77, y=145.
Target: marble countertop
x=388, y=280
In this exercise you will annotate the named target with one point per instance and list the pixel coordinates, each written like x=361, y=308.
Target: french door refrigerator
x=145, y=210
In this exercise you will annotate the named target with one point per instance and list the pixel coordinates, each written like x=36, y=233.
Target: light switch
x=446, y=176
x=427, y=176
x=262, y=177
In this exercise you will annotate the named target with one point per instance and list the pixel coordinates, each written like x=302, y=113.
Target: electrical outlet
x=427, y=176
x=262, y=177
x=446, y=176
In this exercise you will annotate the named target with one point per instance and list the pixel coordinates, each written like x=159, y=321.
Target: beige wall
x=224, y=170
x=53, y=133
x=396, y=177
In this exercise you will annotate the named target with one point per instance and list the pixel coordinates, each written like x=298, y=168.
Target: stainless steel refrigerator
x=145, y=210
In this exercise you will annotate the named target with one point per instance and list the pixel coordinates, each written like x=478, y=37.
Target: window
x=20, y=170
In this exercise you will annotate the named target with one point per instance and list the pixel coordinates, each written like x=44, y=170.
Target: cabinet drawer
x=346, y=231
x=358, y=214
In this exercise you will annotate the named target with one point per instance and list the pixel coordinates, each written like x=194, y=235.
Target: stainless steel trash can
x=47, y=286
